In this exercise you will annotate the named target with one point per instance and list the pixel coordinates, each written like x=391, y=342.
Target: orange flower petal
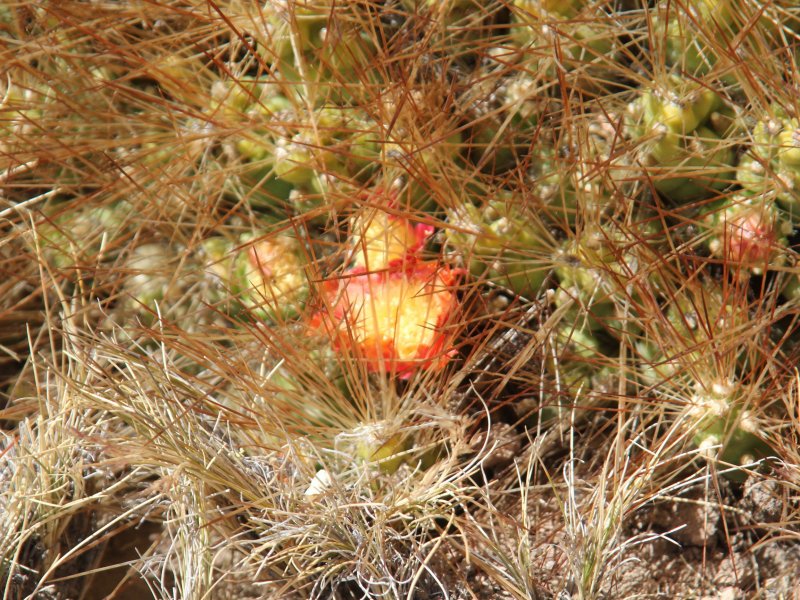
x=395, y=317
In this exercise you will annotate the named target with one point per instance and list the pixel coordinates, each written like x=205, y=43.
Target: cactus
x=151, y=278
x=749, y=235
x=591, y=272
x=684, y=49
x=75, y=240
x=576, y=44
x=281, y=264
x=321, y=44
x=582, y=358
x=500, y=243
x=503, y=123
x=376, y=444
x=337, y=144
x=772, y=165
x=723, y=428
x=686, y=159
x=265, y=274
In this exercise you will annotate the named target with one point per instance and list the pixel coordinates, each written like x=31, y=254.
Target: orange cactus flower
x=394, y=318
x=382, y=240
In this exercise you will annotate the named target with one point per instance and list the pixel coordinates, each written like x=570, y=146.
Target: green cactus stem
x=723, y=428
x=504, y=122
x=322, y=45
x=342, y=143
x=555, y=37
x=772, y=163
x=686, y=159
x=76, y=239
x=591, y=272
x=499, y=242
x=265, y=275
x=150, y=277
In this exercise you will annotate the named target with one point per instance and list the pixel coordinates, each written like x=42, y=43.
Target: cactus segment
x=376, y=444
x=723, y=428
x=749, y=234
x=771, y=167
x=590, y=271
x=556, y=38
x=265, y=275
x=322, y=45
x=539, y=9
x=149, y=274
x=700, y=166
x=685, y=50
x=339, y=144
x=686, y=159
x=504, y=123
x=502, y=244
x=77, y=239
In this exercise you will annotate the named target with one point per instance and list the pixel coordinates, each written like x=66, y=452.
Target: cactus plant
x=265, y=274
x=500, y=243
x=316, y=294
x=749, y=234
